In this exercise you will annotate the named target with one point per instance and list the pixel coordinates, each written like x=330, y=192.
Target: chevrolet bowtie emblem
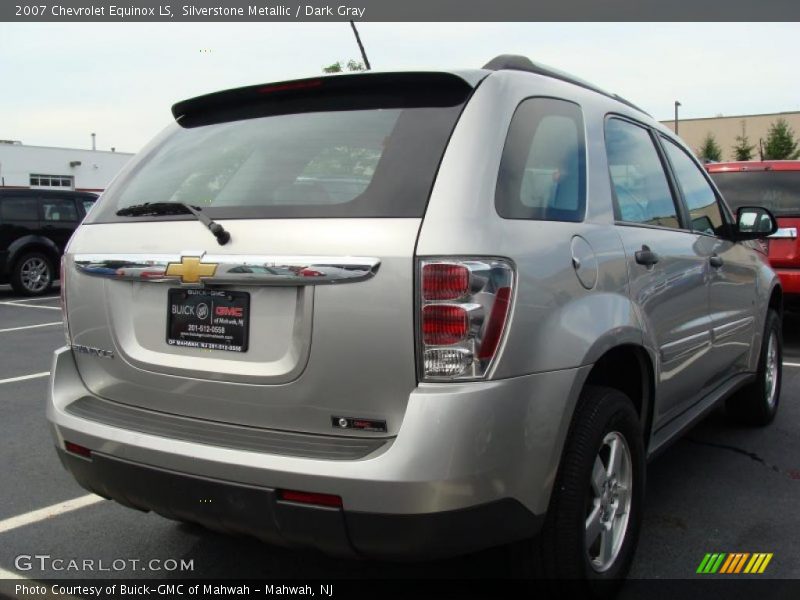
x=190, y=269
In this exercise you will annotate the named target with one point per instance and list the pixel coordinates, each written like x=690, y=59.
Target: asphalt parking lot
x=721, y=488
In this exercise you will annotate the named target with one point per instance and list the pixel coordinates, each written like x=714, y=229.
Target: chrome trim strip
x=789, y=233
x=728, y=329
x=231, y=269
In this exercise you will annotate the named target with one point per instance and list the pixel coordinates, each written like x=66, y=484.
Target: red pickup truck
x=773, y=184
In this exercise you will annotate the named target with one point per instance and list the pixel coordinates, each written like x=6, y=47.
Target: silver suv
x=410, y=315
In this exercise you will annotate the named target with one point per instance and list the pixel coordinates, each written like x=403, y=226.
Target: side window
x=87, y=205
x=641, y=192
x=18, y=209
x=543, y=168
x=59, y=209
x=704, y=212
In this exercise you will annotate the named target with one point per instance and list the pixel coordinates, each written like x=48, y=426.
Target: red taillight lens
x=443, y=281
x=444, y=324
x=496, y=324
x=79, y=450
x=310, y=498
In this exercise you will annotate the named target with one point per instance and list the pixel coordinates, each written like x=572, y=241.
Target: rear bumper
x=253, y=510
x=472, y=467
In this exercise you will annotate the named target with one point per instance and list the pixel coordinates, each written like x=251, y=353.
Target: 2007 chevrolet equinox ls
x=410, y=314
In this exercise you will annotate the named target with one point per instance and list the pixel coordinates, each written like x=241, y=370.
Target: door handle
x=716, y=261
x=646, y=257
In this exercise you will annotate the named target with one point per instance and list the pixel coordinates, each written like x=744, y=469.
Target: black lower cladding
x=253, y=510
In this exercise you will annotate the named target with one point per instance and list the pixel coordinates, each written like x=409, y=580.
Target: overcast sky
x=60, y=82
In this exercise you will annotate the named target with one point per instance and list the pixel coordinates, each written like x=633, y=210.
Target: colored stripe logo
x=734, y=563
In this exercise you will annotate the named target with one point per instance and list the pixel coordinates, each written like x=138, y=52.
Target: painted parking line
x=791, y=364
x=18, y=305
x=30, y=326
x=39, y=299
x=48, y=512
x=24, y=377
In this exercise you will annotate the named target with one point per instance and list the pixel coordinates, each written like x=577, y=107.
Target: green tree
x=743, y=150
x=780, y=144
x=351, y=65
x=710, y=150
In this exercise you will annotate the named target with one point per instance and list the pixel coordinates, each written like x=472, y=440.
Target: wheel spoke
x=598, y=476
x=594, y=526
x=606, y=545
x=613, y=459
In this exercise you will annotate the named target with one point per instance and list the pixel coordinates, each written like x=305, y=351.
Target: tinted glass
x=704, y=212
x=59, y=209
x=542, y=171
x=777, y=191
x=19, y=209
x=357, y=163
x=641, y=192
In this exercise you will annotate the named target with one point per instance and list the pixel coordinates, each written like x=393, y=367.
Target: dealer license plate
x=208, y=319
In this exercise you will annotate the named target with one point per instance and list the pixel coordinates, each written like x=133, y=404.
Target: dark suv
x=35, y=226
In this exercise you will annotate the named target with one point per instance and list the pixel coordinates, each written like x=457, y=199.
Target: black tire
x=21, y=281
x=559, y=554
x=755, y=405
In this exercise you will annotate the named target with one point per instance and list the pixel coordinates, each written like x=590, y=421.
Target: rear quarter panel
x=556, y=323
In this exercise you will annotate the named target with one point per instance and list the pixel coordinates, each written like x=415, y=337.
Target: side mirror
x=754, y=222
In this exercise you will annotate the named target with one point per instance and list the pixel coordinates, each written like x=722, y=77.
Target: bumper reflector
x=79, y=450
x=310, y=498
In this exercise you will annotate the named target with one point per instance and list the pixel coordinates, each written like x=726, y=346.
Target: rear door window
x=59, y=209
x=641, y=191
x=542, y=172
x=705, y=215
x=19, y=209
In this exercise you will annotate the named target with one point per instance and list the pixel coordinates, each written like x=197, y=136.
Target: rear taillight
x=464, y=309
x=63, y=289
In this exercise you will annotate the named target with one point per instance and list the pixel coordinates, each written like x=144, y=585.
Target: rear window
x=379, y=160
x=777, y=191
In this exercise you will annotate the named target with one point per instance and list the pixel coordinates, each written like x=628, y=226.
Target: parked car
x=35, y=226
x=537, y=289
x=774, y=184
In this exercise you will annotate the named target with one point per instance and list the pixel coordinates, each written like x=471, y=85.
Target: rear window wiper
x=176, y=208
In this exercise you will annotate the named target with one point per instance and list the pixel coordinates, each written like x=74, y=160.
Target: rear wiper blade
x=176, y=208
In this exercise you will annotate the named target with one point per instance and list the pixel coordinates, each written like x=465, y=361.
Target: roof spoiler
x=328, y=93
x=515, y=62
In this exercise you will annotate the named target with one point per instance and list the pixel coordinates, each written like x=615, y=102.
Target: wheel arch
x=629, y=368
x=33, y=243
x=776, y=299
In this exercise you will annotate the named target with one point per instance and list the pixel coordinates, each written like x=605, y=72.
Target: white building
x=42, y=167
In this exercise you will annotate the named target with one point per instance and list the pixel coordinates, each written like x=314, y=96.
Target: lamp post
x=677, y=104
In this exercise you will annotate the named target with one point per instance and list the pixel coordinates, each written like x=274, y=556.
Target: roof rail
x=515, y=62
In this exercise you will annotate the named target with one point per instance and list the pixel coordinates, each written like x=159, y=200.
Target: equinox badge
x=93, y=351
